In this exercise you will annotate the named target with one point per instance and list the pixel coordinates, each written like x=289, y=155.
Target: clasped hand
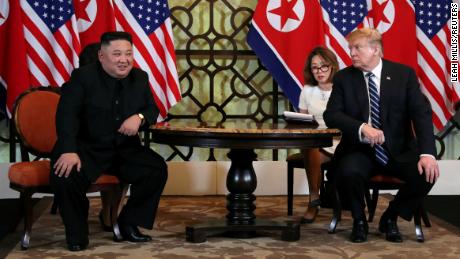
x=65, y=163
x=426, y=164
x=372, y=135
x=130, y=126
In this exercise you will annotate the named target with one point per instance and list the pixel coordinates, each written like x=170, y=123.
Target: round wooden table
x=242, y=137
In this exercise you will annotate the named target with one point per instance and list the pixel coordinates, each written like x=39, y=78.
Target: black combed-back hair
x=110, y=36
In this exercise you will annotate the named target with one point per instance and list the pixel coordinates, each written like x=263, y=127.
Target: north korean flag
x=395, y=20
x=94, y=17
x=282, y=34
x=14, y=77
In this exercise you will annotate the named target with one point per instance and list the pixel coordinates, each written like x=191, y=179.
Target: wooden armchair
x=34, y=121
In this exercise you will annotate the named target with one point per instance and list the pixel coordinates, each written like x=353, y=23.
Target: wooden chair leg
x=290, y=188
x=124, y=192
x=19, y=214
x=116, y=207
x=367, y=197
x=372, y=205
x=26, y=200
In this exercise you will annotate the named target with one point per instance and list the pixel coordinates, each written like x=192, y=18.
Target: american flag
x=149, y=23
x=393, y=19
x=50, y=29
x=341, y=18
x=433, y=55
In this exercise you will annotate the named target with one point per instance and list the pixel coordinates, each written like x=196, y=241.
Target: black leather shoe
x=130, y=233
x=391, y=230
x=359, y=232
x=77, y=247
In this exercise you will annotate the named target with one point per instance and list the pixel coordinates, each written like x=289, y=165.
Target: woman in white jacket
x=320, y=67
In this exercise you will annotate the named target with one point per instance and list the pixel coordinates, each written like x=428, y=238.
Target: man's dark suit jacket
x=92, y=107
x=402, y=105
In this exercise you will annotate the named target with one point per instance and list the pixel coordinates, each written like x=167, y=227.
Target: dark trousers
x=147, y=183
x=354, y=170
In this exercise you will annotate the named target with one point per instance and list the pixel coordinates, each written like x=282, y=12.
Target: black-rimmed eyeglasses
x=323, y=68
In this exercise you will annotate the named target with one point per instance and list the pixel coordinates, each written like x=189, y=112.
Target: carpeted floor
x=176, y=212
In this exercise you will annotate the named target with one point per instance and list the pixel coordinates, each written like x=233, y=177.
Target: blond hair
x=372, y=35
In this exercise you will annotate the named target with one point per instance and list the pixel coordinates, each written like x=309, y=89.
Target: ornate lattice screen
x=220, y=76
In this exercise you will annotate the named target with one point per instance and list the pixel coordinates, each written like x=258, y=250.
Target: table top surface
x=242, y=126
x=242, y=134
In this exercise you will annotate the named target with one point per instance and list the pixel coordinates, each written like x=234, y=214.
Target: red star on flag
x=80, y=12
x=1, y=16
x=285, y=11
x=377, y=12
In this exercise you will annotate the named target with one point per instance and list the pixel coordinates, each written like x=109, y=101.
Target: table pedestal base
x=240, y=220
x=290, y=231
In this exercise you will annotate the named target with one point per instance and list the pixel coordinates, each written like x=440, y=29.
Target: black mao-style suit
x=406, y=122
x=92, y=107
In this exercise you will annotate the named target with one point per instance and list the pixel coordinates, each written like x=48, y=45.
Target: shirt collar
x=377, y=71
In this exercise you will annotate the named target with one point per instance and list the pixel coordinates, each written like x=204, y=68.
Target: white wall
x=204, y=178
x=208, y=178
x=5, y=191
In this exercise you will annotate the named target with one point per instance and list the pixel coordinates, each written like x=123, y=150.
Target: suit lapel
x=361, y=93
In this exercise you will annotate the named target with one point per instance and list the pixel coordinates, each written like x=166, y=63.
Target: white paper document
x=297, y=116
